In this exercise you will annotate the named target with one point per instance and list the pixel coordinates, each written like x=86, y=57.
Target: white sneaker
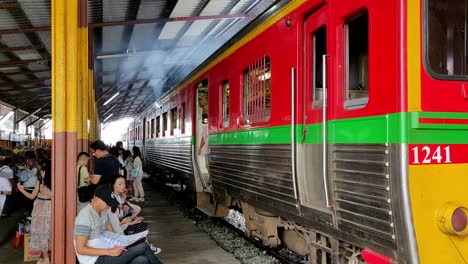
x=141, y=199
x=134, y=199
x=155, y=250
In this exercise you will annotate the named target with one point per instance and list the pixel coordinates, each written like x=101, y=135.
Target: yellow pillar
x=83, y=90
x=93, y=118
x=64, y=112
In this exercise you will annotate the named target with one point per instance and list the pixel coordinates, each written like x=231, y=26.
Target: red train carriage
x=337, y=127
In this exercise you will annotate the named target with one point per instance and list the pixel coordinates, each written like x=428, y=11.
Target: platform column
x=65, y=65
x=83, y=89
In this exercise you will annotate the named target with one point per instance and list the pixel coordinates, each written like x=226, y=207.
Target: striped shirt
x=88, y=223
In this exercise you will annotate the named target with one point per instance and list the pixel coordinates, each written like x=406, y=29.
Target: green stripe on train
x=367, y=130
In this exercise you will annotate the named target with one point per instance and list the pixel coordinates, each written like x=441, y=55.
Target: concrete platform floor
x=8, y=227
x=178, y=237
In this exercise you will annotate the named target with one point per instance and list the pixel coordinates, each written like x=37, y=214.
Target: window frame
x=317, y=103
x=174, y=120
x=158, y=126
x=225, y=105
x=247, y=121
x=359, y=103
x=182, y=118
x=164, y=124
x=425, y=49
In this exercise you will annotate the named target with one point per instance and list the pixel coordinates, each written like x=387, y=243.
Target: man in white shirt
x=7, y=173
x=5, y=189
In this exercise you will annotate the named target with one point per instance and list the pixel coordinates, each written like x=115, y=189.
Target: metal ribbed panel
x=150, y=9
x=7, y=21
x=361, y=188
x=37, y=11
x=94, y=11
x=4, y=58
x=258, y=172
x=115, y=10
x=175, y=155
x=15, y=40
x=216, y=7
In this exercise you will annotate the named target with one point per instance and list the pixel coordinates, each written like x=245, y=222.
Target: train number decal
x=420, y=154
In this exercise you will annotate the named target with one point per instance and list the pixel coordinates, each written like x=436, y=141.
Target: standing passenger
x=5, y=191
x=41, y=214
x=128, y=160
x=106, y=165
x=82, y=176
x=137, y=174
x=7, y=173
x=31, y=182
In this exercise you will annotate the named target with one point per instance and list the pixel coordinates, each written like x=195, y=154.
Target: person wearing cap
x=83, y=175
x=106, y=165
x=94, y=220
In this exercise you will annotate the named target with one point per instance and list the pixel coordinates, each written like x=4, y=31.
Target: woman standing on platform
x=83, y=176
x=41, y=214
x=128, y=160
x=137, y=174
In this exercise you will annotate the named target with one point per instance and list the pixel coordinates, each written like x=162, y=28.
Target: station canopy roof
x=140, y=49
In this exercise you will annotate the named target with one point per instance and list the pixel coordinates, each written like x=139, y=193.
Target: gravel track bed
x=225, y=237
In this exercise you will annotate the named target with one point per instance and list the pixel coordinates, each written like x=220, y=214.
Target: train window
x=446, y=38
x=257, y=91
x=158, y=126
x=174, y=118
x=182, y=118
x=152, y=128
x=225, y=110
x=319, y=42
x=148, y=129
x=164, y=125
x=357, y=74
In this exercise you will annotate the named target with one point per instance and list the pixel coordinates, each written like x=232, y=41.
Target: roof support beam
x=164, y=20
x=23, y=73
x=19, y=63
x=23, y=30
x=31, y=114
x=8, y=49
x=23, y=89
x=45, y=123
x=8, y=5
x=17, y=83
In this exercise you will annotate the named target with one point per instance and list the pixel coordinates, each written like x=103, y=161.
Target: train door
x=312, y=152
x=201, y=132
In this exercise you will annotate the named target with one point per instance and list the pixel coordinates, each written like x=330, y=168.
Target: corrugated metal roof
x=37, y=11
x=150, y=9
x=137, y=58
x=7, y=20
x=115, y=10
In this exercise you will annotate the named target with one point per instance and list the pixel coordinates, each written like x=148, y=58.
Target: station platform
x=180, y=240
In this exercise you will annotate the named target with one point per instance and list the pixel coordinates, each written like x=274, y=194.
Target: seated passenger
x=92, y=221
x=124, y=219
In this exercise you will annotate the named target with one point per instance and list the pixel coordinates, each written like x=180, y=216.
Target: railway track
x=274, y=253
x=208, y=224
